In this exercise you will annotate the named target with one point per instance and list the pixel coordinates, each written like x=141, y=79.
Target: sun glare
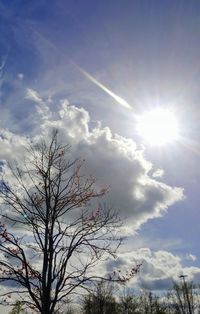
x=158, y=127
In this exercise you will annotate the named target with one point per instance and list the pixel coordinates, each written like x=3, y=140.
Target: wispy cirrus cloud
x=191, y=257
x=31, y=94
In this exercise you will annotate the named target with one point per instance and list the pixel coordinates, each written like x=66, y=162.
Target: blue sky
x=147, y=52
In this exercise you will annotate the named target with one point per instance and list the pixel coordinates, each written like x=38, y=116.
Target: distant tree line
x=183, y=298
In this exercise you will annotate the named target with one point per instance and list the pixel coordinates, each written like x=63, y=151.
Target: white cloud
x=158, y=173
x=116, y=161
x=191, y=257
x=12, y=146
x=33, y=95
x=158, y=270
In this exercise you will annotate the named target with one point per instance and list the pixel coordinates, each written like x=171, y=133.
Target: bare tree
x=52, y=203
x=182, y=296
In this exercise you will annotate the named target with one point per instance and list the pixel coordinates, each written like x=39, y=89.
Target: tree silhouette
x=100, y=301
x=65, y=234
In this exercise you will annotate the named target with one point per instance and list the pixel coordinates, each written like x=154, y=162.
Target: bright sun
x=158, y=127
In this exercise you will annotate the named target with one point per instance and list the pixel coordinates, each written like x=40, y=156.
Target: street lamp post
x=186, y=293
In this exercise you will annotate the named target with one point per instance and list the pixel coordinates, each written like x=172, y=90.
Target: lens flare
x=158, y=127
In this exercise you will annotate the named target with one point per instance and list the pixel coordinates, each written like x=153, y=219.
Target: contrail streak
x=120, y=100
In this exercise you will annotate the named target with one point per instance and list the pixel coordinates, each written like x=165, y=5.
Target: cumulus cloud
x=12, y=146
x=116, y=161
x=158, y=268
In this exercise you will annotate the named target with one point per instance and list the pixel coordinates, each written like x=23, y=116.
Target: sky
x=146, y=53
